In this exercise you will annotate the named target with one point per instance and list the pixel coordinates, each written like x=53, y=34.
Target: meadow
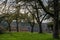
x=26, y=36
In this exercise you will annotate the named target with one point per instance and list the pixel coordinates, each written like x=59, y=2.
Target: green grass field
x=25, y=36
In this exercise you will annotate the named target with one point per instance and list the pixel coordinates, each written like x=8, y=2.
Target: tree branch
x=40, y=2
x=43, y=17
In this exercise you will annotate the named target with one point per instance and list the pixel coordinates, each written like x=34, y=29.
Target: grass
x=25, y=36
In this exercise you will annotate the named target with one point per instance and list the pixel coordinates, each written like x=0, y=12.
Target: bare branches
x=43, y=17
x=40, y=2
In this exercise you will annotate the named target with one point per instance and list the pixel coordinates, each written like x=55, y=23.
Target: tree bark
x=9, y=27
x=55, y=31
x=38, y=19
x=56, y=14
x=40, y=28
x=32, y=28
x=17, y=25
x=17, y=15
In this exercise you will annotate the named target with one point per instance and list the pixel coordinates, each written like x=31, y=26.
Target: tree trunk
x=17, y=26
x=17, y=16
x=32, y=28
x=56, y=14
x=40, y=28
x=9, y=27
x=55, y=31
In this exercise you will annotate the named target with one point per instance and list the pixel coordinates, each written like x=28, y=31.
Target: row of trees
x=34, y=10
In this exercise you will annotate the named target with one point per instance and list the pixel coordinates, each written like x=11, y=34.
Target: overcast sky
x=44, y=1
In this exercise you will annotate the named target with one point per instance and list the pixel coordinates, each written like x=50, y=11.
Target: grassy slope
x=25, y=36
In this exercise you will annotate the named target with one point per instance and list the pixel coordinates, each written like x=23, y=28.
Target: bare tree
x=55, y=16
x=17, y=14
x=37, y=15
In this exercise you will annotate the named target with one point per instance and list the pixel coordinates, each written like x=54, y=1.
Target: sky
x=44, y=2
x=1, y=1
x=9, y=2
